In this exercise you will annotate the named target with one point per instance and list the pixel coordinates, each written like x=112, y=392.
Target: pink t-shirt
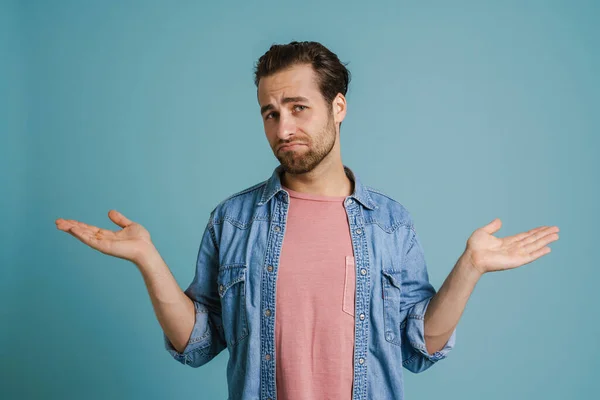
x=314, y=321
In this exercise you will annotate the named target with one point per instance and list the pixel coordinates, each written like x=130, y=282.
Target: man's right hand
x=130, y=243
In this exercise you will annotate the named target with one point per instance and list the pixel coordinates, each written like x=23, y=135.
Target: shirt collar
x=360, y=194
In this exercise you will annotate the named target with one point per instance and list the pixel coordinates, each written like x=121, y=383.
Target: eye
x=302, y=107
x=269, y=115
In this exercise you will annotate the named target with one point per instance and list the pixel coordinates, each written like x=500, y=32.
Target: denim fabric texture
x=233, y=291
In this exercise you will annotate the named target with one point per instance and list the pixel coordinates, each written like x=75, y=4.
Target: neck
x=326, y=179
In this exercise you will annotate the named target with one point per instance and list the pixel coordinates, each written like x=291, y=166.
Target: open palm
x=489, y=253
x=128, y=243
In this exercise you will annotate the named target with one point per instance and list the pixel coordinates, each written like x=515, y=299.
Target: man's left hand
x=488, y=253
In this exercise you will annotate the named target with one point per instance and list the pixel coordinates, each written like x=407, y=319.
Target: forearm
x=447, y=305
x=174, y=310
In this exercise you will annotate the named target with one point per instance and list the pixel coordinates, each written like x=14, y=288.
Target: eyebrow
x=284, y=101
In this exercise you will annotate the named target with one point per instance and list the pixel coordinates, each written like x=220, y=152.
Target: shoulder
x=240, y=206
x=390, y=213
x=244, y=195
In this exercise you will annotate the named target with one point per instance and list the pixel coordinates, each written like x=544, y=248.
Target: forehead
x=298, y=80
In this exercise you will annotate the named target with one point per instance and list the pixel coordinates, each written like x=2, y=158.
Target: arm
x=174, y=310
x=191, y=320
x=448, y=304
x=484, y=253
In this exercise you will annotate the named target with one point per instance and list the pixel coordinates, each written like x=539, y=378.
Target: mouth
x=290, y=146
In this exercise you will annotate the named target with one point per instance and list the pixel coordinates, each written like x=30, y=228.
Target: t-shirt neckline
x=311, y=196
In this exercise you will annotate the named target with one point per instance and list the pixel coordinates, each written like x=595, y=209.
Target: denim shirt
x=233, y=291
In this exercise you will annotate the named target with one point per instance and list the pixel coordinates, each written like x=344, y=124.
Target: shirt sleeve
x=416, y=294
x=207, y=338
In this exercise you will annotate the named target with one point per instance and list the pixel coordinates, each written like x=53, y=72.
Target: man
x=316, y=284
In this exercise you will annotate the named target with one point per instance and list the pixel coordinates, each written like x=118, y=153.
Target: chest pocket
x=390, y=282
x=231, y=282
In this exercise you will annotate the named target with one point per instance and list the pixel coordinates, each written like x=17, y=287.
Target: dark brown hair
x=332, y=75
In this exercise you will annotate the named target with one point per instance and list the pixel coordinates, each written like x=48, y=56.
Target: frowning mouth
x=290, y=146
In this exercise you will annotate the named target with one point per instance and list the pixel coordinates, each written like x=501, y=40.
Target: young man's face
x=299, y=124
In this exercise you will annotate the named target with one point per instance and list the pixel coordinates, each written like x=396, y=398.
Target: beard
x=294, y=162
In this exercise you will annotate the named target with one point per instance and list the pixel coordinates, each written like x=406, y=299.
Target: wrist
x=147, y=258
x=468, y=266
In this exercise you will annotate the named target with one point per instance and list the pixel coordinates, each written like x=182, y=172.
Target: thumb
x=493, y=226
x=119, y=218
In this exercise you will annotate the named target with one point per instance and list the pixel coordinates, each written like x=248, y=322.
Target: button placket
x=362, y=292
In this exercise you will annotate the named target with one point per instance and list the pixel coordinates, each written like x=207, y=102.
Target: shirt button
x=389, y=336
x=276, y=228
x=362, y=316
x=268, y=357
x=267, y=312
x=270, y=268
x=358, y=231
x=350, y=201
x=361, y=360
x=221, y=288
x=363, y=271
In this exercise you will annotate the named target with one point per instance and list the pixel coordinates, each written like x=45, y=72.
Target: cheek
x=271, y=135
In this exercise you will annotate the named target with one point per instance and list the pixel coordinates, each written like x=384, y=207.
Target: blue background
x=463, y=112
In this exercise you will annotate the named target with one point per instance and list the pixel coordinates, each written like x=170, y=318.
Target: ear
x=339, y=108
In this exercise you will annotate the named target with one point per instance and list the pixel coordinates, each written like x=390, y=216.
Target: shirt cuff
x=199, y=339
x=415, y=330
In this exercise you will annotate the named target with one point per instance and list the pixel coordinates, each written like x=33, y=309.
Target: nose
x=286, y=127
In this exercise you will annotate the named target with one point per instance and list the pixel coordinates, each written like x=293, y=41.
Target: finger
x=119, y=218
x=82, y=225
x=61, y=224
x=541, y=242
x=523, y=235
x=89, y=230
x=539, y=234
x=84, y=235
x=65, y=224
x=77, y=234
x=540, y=252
